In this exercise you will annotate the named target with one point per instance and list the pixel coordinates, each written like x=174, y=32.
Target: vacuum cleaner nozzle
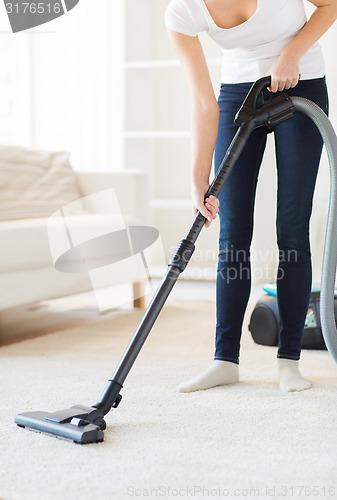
x=81, y=424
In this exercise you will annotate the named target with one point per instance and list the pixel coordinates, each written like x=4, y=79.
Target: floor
x=63, y=313
x=247, y=440
x=54, y=315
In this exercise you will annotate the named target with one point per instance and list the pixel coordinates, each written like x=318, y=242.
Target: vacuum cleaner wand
x=84, y=424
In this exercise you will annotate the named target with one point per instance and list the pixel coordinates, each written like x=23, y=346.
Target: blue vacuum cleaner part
x=270, y=288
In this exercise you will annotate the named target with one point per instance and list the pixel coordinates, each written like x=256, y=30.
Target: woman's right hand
x=208, y=208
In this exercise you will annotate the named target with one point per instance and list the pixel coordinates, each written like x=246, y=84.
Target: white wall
x=15, y=89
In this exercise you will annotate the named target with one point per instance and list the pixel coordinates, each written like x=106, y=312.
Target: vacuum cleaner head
x=72, y=423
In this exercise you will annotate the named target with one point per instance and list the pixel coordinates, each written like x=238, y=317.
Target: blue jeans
x=298, y=147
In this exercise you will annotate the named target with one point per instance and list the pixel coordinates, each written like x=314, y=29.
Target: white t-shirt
x=250, y=48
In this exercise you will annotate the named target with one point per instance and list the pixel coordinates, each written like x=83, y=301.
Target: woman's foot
x=290, y=377
x=219, y=373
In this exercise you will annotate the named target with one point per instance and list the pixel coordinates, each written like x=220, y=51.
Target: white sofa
x=27, y=271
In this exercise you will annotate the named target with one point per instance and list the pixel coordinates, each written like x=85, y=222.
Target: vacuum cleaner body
x=265, y=323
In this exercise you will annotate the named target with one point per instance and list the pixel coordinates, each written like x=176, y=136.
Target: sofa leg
x=139, y=295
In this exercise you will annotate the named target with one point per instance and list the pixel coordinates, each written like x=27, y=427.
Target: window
x=63, y=84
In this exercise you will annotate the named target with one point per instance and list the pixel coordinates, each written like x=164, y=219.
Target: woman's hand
x=210, y=207
x=284, y=73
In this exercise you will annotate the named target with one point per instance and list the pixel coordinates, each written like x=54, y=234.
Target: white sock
x=219, y=373
x=290, y=377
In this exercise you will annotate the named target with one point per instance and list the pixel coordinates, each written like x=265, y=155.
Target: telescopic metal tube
x=249, y=118
x=176, y=266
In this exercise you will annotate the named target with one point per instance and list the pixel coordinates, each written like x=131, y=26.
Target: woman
x=258, y=38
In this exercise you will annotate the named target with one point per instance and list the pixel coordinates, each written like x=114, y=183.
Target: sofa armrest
x=130, y=186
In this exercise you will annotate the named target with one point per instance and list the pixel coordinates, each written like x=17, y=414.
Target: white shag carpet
x=243, y=441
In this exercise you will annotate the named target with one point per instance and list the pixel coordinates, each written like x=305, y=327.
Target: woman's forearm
x=321, y=20
x=285, y=71
x=204, y=130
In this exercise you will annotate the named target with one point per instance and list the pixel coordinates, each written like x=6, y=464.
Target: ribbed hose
x=327, y=310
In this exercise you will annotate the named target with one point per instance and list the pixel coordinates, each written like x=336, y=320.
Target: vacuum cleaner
x=265, y=322
x=85, y=424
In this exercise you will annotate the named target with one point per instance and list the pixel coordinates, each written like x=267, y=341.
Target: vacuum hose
x=327, y=311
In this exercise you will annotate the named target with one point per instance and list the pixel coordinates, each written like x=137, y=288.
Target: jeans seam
x=287, y=356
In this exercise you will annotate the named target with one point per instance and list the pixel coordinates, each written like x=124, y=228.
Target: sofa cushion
x=37, y=243
x=34, y=183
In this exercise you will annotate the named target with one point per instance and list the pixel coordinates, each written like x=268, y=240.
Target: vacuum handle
x=253, y=94
x=240, y=138
x=248, y=108
x=182, y=255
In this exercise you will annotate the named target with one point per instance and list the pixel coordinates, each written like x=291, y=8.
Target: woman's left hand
x=284, y=73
